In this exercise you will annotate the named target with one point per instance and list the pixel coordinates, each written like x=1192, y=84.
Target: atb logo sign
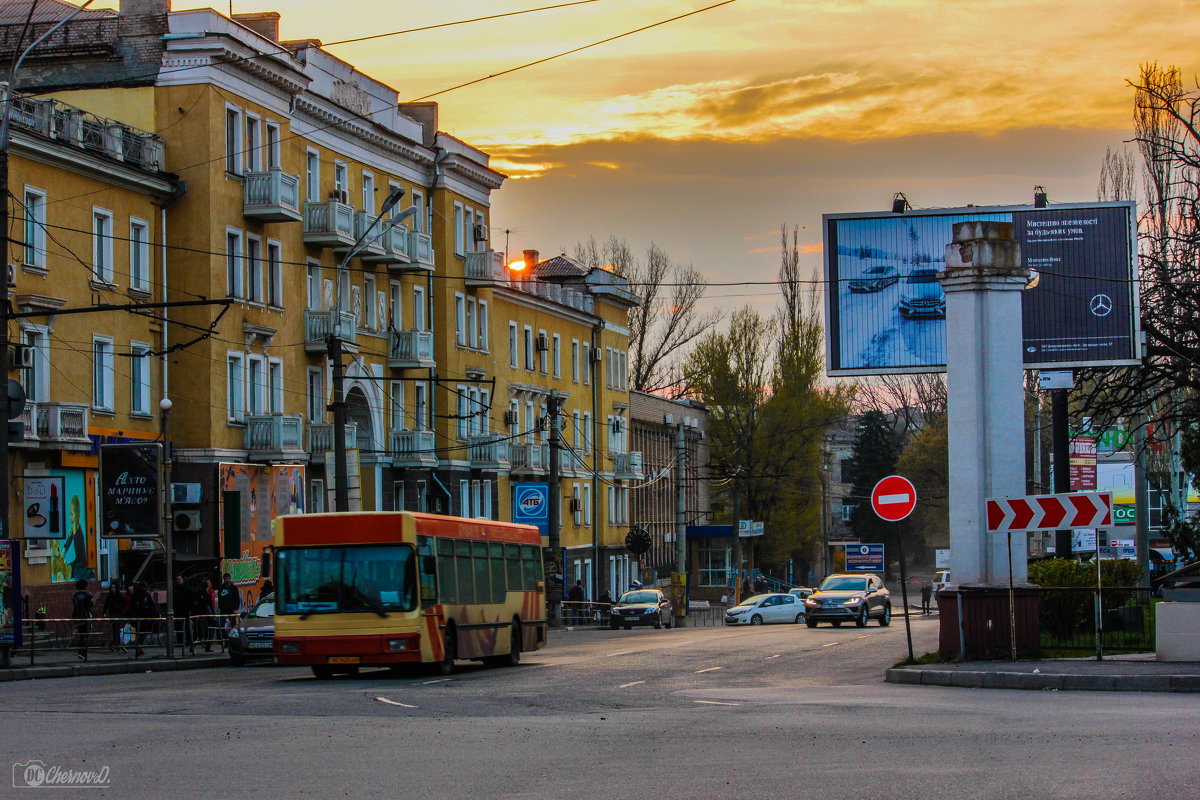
x=531, y=504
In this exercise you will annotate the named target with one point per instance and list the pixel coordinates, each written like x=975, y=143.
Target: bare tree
x=667, y=319
x=1118, y=176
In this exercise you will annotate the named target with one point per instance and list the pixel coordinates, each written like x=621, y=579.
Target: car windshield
x=323, y=580
x=844, y=584
x=639, y=597
x=923, y=276
x=264, y=610
x=877, y=271
x=753, y=601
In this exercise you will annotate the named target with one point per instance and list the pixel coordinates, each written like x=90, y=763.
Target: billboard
x=886, y=312
x=531, y=505
x=130, y=486
x=864, y=558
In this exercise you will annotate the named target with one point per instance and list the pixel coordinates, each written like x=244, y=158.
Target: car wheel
x=812, y=623
x=237, y=659
x=756, y=620
x=861, y=622
x=322, y=672
x=799, y=618
x=658, y=623
x=886, y=619
x=612, y=626
x=449, y=653
x=668, y=622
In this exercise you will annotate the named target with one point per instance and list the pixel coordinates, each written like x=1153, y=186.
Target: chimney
x=264, y=23
x=144, y=8
x=531, y=260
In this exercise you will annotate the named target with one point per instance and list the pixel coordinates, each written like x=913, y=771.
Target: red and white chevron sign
x=1043, y=512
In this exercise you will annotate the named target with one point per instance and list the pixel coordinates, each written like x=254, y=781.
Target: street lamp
x=341, y=486
x=164, y=406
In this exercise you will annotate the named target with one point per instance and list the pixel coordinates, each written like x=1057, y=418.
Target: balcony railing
x=627, y=466
x=420, y=249
x=412, y=448
x=391, y=248
x=78, y=128
x=328, y=224
x=367, y=231
x=410, y=349
x=484, y=268
x=271, y=436
x=319, y=324
x=55, y=425
x=320, y=438
x=488, y=451
x=271, y=196
x=528, y=457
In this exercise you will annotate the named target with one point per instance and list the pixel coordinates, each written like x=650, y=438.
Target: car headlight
x=853, y=601
x=650, y=611
x=737, y=611
x=810, y=602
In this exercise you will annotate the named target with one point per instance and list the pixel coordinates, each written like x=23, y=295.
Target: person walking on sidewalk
x=114, y=609
x=82, y=605
x=203, y=610
x=926, y=595
x=229, y=602
x=185, y=600
x=143, y=610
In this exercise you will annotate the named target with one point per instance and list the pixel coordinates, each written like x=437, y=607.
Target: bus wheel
x=513, y=656
x=450, y=651
x=322, y=672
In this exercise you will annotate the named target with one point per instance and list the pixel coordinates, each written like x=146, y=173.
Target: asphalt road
x=764, y=712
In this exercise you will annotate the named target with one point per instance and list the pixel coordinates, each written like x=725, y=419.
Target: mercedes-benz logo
x=1101, y=305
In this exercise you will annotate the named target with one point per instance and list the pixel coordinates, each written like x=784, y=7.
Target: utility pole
x=341, y=482
x=164, y=405
x=554, y=594
x=681, y=515
x=737, y=536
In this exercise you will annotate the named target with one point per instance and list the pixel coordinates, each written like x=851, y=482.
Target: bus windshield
x=355, y=578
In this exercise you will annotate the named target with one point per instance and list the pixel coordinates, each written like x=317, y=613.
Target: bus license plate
x=343, y=659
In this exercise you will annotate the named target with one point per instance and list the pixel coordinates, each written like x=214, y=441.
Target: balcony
x=485, y=268
x=488, y=452
x=528, y=458
x=412, y=448
x=320, y=324
x=274, y=437
x=320, y=438
x=368, y=232
x=272, y=196
x=627, y=466
x=328, y=224
x=58, y=426
x=420, y=250
x=410, y=349
x=77, y=128
x=391, y=248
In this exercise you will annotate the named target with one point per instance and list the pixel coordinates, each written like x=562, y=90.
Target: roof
x=561, y=266
x=14, y=12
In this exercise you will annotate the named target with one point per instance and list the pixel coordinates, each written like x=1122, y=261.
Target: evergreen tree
x=873, y=457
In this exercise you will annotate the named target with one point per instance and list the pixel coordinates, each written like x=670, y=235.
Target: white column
x=983, y=280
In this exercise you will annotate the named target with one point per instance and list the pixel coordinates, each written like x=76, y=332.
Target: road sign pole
x=893, y=499
x=904, y=596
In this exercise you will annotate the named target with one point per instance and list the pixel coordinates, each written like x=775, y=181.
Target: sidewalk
x=1127, y=673
x=66, y=664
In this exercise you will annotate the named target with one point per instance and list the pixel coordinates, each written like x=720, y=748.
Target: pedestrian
x=229, y=602
x=760, y=585
x=82, y=604
x=203, y=610
x=926, y=595
x=143, y=610
x=114, y=610
x=746, y=592
x=268, y=588
x=184, y=601
x=575, y=595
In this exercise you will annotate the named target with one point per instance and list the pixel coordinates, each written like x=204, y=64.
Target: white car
x=941, y=579
x=762, y=609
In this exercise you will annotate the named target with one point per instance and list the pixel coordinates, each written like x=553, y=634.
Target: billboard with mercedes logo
x=886, y=312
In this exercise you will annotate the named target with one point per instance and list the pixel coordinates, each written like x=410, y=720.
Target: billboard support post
x=1062, y=458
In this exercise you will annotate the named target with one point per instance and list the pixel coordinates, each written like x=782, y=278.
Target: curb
x=1043, y=681
x=110, y=668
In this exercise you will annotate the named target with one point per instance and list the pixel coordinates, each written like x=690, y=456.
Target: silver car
x=922, y=295
x=762, y=609
x=254, y=634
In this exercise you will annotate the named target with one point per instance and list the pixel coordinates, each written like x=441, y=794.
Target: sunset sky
x=706, y=134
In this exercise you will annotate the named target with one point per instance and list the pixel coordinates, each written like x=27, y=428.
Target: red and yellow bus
x=390, y=588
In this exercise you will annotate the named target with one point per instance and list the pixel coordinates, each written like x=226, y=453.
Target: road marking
x=394, y=702
x=715, y=703
x=627, y=685
x=710, y=669
x=439, y=680
x=622, y=653
x=831, y=644
x=865, y=635
x=768, y=658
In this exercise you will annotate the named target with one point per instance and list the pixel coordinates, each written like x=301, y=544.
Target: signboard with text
x=531, y=505
x=130, y=491
x=864, y=558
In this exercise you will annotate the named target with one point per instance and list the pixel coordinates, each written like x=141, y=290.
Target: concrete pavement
x=101, y=661
x=1126, y=673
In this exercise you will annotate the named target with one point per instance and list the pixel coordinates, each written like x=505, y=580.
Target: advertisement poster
x=263, y=493
x=10, y=593
x=74, y=555
x=886, y=311
x=531, y=505
x=43, y=507
x=1083, y=463
x=130, y=477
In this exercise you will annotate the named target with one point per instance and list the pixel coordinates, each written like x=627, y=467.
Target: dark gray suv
x=853, y=598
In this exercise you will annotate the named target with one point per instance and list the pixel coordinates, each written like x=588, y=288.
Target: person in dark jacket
x=203, y=611
x=229, y=602
x=114, y=609
x=143, y=610
x=184, y=602
x=82, y=605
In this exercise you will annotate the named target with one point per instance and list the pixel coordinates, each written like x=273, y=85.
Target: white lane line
x=715, y=703
x=622, y=653
x=439, y=680
x=710, y=669
x=831, y=644
x=865, y=635
x=627, y=685
x=394, y=702
x=768, y=658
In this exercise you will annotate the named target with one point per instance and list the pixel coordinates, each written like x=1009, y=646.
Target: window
x=577, y=505
x=275, y=385
x=37, y=379
x=418, y=308
x=254, y=265
x=464, y=411
x=487, y=509
x=543, y=353
x=396, y=320
x=35, y=227
x=397, y=495
x=530, y=421
x=368, y=193
x=418, y=220
x=528, y=348
x=459, y=239
x=575, y=360
x=460, y=319
x=714, y=563
x=235, y=385
x=397, y=399
x=139, y=255
x=316, y=394
x=514, y=410
x=314, y=287
x=103, y=375
x=253, y=157
x=587, y=504
x=587, y=431
x=846, y=470
x=472, y=323
x=483, y=325
x=139, y=378
x=102, y=245
x=316, y=496
x=575, y=425
x=419, y=406
x=476, y=499
x=557, y=348
x=256, y=384
x=512, y=344
x=233, y=264
x=273, y=139
x=312, y=174
x=233, y=140
x=464, y=499
x=587, y=365
x=341, y=179
x=274, y=274
x=371, y=308
x=847, y=511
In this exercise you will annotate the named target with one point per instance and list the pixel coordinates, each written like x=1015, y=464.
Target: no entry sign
x=894, y=498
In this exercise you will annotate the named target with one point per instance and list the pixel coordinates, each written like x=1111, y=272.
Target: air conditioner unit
x=20, y=357
x=510, y=418
x=543, y=343
x=480, y=232
x=186, y=520
x=597, y=355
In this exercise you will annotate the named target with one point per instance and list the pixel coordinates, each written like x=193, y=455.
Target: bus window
x=531, y=561
x=427, y=571
x=479, y=564
x=445, y=565
x=496, y=557
x=462, y=564
x=512, y=559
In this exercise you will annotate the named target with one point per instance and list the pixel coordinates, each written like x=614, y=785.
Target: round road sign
x=893, y=498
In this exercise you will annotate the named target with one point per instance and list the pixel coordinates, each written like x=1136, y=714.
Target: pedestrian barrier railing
x=120, y=637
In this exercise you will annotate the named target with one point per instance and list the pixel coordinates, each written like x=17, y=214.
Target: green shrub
x=1063, y=572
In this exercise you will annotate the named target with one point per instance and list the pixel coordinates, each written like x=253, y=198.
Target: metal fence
x=1067, y=619
x=118, y=637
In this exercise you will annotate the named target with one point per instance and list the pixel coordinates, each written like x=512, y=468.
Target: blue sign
x=531, y=505
x=864, y=558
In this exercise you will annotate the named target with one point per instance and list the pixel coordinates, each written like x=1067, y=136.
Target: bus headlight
x=290, y=648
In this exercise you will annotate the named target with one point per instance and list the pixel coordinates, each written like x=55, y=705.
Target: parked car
x=765, y=608
x=801, y=592
x=254, y=634
x=875, y=279
x=641, y=607
x=922, y=295
x=941, y=579
x=850, y=598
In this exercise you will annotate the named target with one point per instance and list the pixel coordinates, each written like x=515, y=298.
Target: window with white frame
x=482, y=324
x=371, y=315
x=312, y=175
x=486, y=512
x=544, y=426
x=313, y=286
x=36, y=380
x=476, y=499
x=139, y=378
x=575, y=360
x=419, y=407
x=397, y=403
x=468, y=233
x=587, y=504
x=233, y=140
x=316, y=496
x=254, y=268
x=256, y=384
x=235, y=387
x=253, y=156
x=512, y=344
x=418, y=219
x=274, y=274
x=556, y=349
x=479, y=232
x=139, y=254
x=103, y=374
x=341, y=179
x=472, y=323
x=419, y=308
x=463, y=413
x=587, y=431
x=514, y=411
x=274, y=160
x=587, y=364
x=35, y=227
x=316, y=394
x=234, y=279
x=623, y=371
x=275, y=385
x=460, y=319
x=368, y=193
x=529, y=348
x=543, y=352
x=397, y=495
x=464, y=498
x=102, y=245
x=576, y=505
x=575, y=428
x=530, y=421
x=459, y=240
